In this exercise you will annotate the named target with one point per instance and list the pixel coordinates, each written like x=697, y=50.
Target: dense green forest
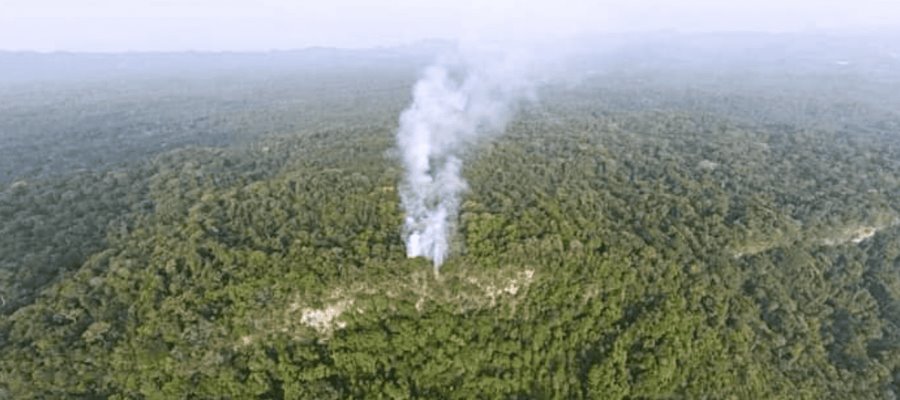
x=635, y=234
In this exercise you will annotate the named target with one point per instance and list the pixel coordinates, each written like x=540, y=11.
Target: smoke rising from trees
x=459, y=99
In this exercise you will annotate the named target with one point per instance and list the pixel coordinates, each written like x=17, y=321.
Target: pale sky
x=176, y=25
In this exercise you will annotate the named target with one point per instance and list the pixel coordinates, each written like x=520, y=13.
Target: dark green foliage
x=603, y=252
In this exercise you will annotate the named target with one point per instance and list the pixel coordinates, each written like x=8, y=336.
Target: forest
x=638, y=232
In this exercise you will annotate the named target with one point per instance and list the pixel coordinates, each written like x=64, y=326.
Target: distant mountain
x=873, y=53
x=20, y=67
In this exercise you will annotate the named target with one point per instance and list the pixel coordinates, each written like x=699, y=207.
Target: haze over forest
x=570, y=199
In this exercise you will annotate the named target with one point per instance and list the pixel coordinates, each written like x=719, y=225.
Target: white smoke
x=461, y=98
x=472, y=94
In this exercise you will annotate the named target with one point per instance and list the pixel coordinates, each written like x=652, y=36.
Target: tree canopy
x=704, y=243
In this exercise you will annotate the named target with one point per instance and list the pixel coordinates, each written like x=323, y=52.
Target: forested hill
x=702, y=238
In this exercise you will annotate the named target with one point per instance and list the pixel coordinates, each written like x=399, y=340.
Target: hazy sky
x=117, y=25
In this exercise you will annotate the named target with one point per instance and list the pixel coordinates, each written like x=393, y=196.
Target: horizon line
x=446, y=40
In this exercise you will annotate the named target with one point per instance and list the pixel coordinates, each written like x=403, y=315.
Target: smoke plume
x=458, y=100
